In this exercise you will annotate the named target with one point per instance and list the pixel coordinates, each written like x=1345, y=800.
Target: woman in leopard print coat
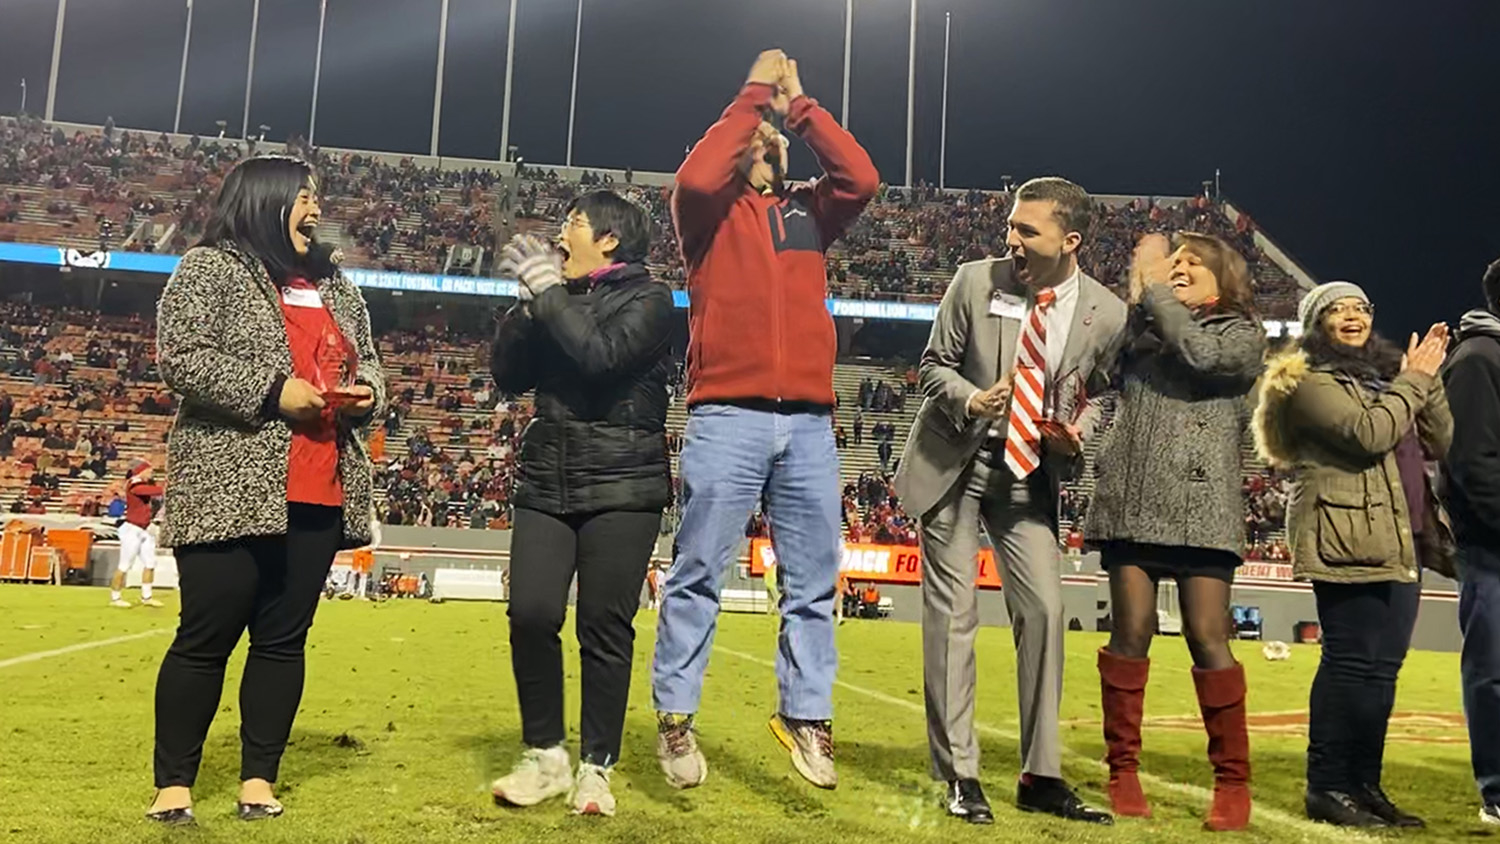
x=267, y=473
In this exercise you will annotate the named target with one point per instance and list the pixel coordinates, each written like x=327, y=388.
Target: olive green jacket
x=1347, y=519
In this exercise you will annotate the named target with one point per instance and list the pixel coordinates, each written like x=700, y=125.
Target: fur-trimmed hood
x=1284, y=373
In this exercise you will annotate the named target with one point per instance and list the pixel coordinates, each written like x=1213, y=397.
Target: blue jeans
x=731, y=459
x=1479, y=664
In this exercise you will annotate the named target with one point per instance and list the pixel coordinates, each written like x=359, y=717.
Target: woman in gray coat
x=267, y=476
x=1168, y=501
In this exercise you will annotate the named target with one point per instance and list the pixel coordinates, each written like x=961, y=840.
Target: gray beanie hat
x=1324, y=295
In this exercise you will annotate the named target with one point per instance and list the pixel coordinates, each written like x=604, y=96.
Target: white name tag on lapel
x=301, y=297
x=1008, y=306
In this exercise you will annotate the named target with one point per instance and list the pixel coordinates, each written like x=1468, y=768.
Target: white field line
x=1261, y=811
x=81, y=646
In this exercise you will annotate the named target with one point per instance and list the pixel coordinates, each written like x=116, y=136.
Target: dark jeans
x=271, y=585
x=1479, y=617
x=1366, y=632
x=609, y=552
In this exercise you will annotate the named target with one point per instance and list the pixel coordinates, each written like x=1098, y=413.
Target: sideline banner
x=1264, y=571
x=879, y=563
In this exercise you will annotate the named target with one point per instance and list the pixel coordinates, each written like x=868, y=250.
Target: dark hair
x=1227, y=265
x=610, y=213
x=252, y=211
x=1491, y=282
x=1377, y=360
x=1075, y=209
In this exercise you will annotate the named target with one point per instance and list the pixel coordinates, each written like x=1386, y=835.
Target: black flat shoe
x=965, y=799
x=259, y=811
x=1340, y=809
x=1373, y=799
x=173, y=817
x=1052, y=796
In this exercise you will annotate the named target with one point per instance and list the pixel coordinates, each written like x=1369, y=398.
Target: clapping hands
x=773, y=67
x=1151, y=263
x=535, y=264
x=1426, y=356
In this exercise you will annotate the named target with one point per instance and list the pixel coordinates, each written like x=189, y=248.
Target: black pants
x=1367, y=630
x=1479, y=617
x=271, y=585
x=610, y=552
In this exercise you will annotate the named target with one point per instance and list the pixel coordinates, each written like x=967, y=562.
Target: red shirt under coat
x=317, y=347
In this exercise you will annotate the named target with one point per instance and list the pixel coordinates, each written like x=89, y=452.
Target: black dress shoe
x=1340, y=809
x=1052, y=796
x=173, y=817
x=259, y=811
x=1372, y=798
x=965, y=799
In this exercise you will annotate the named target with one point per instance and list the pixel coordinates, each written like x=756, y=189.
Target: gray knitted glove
x=535, y=264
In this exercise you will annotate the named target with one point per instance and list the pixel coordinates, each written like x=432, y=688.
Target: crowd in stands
x=103, y=185
x=456, y=465
x=873, y=514
x=404, y=216
x=445, y=454
x=62, y=415
x=1266, y=494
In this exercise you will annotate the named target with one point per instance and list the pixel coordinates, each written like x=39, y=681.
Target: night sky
x=1352, y=130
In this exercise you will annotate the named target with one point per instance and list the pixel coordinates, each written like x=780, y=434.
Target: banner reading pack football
x=880, y=563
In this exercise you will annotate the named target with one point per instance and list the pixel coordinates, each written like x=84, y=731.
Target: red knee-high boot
x=1221, y=697
x=1122, y=682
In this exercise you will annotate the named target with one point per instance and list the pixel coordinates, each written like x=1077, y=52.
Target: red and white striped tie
x=1023, y=449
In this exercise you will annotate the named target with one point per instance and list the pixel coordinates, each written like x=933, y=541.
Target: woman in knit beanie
x=1354, y=418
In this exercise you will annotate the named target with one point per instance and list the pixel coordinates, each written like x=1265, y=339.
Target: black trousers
x=1479, y=617
x=609, y=552
x=270, y=585
x=1367, y=630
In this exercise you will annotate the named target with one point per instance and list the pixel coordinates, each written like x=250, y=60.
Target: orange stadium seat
x=17, y=542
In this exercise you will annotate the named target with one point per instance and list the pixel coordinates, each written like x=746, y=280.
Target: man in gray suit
x=1019, y=352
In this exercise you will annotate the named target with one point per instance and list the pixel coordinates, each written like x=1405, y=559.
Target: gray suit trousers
x=1028, y=559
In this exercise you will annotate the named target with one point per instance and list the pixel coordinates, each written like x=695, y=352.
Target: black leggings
x=270, y=584
x=610, y=552
x=1367, y=630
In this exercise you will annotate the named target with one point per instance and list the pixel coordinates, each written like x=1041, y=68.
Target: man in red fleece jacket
x=760, y=374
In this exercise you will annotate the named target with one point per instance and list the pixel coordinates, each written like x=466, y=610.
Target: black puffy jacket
x=599, y=363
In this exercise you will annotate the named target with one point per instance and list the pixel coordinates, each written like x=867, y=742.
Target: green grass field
x=410, y=712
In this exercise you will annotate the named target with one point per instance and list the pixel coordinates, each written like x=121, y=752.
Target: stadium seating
x=133, y=192
x=444, y=458
x=449, y=456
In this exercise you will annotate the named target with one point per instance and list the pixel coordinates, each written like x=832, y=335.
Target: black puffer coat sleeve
x=510, y=355
x=639, y=331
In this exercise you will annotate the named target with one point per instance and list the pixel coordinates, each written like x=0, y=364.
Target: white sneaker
x=677, y=751
x=121, y=603
x=591, y=795
x=541, y=774
x=1490, y=814
x=151, y=602
x=811, y=746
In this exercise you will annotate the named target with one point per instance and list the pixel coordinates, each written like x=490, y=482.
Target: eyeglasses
x=1351, y=309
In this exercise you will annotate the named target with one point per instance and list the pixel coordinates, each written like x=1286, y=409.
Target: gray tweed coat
x=221, y=343
x=1169, y=468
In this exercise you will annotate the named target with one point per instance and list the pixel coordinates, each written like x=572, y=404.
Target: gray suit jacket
x=967, y=351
